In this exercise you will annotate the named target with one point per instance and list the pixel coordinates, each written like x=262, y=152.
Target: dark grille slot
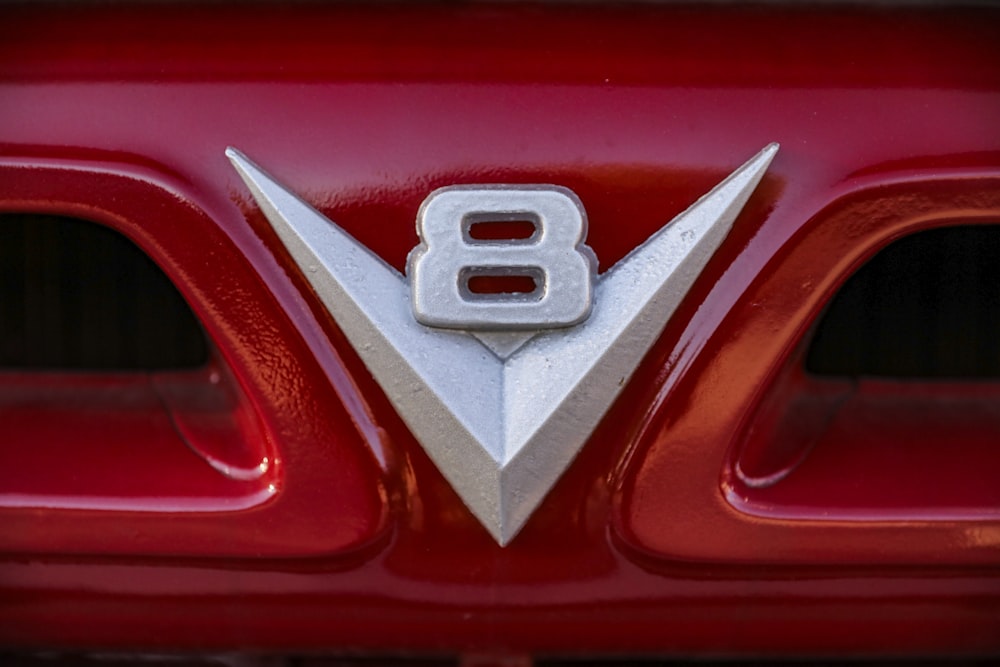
x=109, y=399
x=898, y=416
x=76, y=295
x=927, y=306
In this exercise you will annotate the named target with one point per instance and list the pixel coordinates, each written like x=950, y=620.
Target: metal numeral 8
x=553, y=256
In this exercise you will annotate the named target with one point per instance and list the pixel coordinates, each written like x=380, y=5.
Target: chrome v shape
x=502, y=427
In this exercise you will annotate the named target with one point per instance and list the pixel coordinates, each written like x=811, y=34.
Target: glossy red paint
x=149, y=479
x=889, y=121
x=847, y=512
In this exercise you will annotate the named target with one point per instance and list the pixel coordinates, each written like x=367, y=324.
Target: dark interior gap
x=925, y=307
x=75, y=295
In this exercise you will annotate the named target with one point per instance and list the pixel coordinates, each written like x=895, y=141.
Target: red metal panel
x=889, y=119
x=98, y=507
x=755, y=347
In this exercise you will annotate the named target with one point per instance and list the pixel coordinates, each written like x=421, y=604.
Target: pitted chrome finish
x=502, y=424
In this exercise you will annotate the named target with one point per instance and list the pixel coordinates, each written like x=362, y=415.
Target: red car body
x=303, y=517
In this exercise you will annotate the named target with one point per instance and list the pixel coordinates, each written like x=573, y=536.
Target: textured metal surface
x=502, y=430
x=554, y=255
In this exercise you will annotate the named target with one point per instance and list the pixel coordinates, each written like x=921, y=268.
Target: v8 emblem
x=502, y=389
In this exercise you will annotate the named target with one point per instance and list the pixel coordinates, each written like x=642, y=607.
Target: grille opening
x=111, y=397
x=926, y=306
x=892, y=410
x=75, y=295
